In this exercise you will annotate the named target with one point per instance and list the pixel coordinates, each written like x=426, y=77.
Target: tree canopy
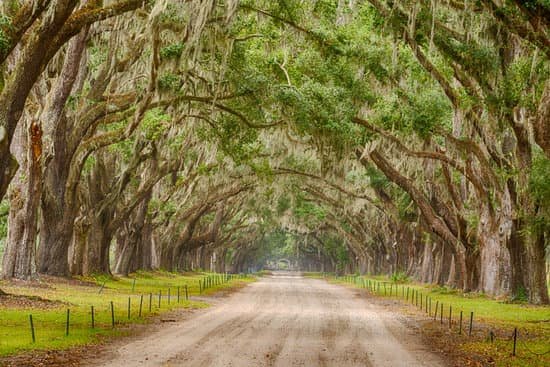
x=353, y=136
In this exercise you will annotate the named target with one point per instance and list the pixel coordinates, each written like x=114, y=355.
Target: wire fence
x=444, y=314
x=116, y=309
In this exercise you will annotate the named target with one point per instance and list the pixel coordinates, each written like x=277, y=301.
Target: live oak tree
x=373, y=136
x=472, y=109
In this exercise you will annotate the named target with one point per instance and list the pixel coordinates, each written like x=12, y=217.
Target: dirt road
x=283, y=320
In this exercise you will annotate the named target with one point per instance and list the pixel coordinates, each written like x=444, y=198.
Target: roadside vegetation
x=497, y=316
x=378, y=135
x=48, y=300
x=374, y=136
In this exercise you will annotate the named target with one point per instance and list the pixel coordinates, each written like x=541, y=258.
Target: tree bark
x=495, y=261
x=98, y=243
x=27, y=69
x=535, y=254
x=134, y=242
x=56, y=217
x=58, y=212
x=24, y=195
x=78, y=246
x=542, y=121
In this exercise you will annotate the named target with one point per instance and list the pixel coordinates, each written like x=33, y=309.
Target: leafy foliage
x=539, y=186
x=5, y=23
x=172, y=51
x=154, y=124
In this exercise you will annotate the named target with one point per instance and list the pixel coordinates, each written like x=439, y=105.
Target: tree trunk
x=533, y=241
x=55, y=239
x=78, y=246
x=8, y=165
x=495, y=262
x=427, y=270
x=536, y=270
x=35, y=53
x=56, y=219
x=101, y=216
x=494, y=232
x=145, y=252
x=98, y=243
x=134, y=242
x=24, y=201
x=542, y=122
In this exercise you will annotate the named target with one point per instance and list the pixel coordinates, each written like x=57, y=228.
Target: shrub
x=400, y=277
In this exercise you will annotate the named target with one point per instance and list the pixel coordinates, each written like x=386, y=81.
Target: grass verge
x=48, y=300
x=490, y=317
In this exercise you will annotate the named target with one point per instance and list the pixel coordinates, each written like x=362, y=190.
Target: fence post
x=150, y=301
x=460, y=326
x=112, y=315
x=450, y=316
x=93, y=319
x=178, y=294
x=160, y=295
x=129, y=301
x=67, y=324
x=168, y=295
x=186, y=293
x=441, y=313
x=515, y=341
x=471, y=323
x=32, y=329
x=427, y=299
x=140, y=305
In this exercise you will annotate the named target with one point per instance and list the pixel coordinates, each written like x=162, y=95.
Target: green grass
x=533, y=322
x=50, y=323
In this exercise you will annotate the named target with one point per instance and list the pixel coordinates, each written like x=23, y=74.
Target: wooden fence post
x=515, y=341
x=112, y=315
x=32, y=329
x=93, y=318
x=67, y=324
